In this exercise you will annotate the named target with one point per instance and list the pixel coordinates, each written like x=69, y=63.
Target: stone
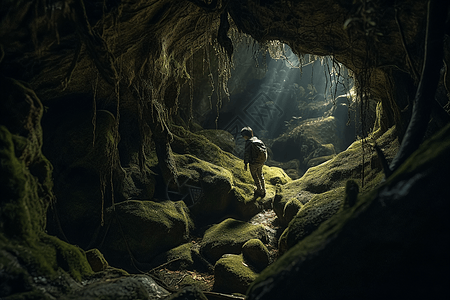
x=232, y=275
x=221, y=138
x=96, y=260
x=256, y=254
x=126, y=288
x=138, y=231
x=228, y=237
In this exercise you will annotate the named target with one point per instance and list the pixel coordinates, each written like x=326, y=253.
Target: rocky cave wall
x=109, y=76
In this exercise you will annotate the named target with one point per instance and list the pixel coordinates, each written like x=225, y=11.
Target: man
x=255, y=155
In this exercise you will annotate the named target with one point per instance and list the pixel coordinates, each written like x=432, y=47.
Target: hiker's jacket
x=255, y=151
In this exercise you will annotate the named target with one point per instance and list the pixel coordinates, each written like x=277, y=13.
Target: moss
x=319, y=209
x=96, y=260
x=145, y=229
x=335, y=173
x=177, y=258
x=228, y=237
x=221, y=138
x=233, y=275
x=226, y=187
x=256, y=254
x=26, y=193
x=385, y=231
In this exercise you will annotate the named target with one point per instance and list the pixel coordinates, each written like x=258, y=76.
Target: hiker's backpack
x=259, y=151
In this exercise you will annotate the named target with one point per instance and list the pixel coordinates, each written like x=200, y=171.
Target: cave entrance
x=302, y=107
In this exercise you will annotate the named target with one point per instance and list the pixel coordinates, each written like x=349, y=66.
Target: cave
x=122, y=160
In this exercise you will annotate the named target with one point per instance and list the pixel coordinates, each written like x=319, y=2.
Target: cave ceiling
x=111, y=49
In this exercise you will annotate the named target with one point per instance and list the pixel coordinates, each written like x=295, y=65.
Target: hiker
x=255, y=155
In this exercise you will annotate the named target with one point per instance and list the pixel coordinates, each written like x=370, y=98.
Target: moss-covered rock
x=333, y=175
x=96, y=260
x=370, y=250
x=225, y=188
x=28, y=256
x=311, y=139
x=319, y=209
x=140, y=230
x=178, y=258
x=221, y=138
x=232, y=275
x=256, y=254
x=228, y=237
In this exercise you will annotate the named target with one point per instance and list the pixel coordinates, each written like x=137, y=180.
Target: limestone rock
x=319, y=209
x=232, y=275
x=256, y=254
x=96, y=260
x=221, y=138
x=228, y=237
x=143, y=229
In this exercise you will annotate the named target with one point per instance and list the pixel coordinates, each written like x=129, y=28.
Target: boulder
x=137, y=231
x=312, y=138
x=256, y=254
x=228, y=237
x=183, y=257
x=309, y=217
x=232, y=275
x=96, y=260
x=286, y=208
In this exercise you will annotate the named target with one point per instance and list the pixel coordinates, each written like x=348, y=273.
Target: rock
x=124, y=288
x=312, y=138
x=324, y=185
x=319, y=160
x=221, y=138
x=184, y=257
x=309, y=217
x=228, y=237
x=232, y=275
x=382, y=246
x=29, y=257
x=213, y=182
x=286, y=209
x=143, y=229
x=96, y=260
x=256, y=254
